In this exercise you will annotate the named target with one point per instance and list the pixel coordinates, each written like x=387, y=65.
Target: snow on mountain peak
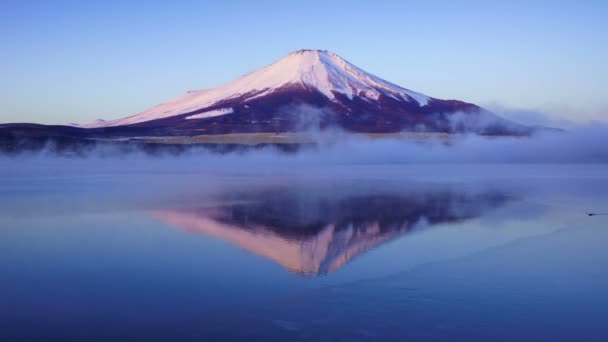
x=327, y=72
x=321, y=70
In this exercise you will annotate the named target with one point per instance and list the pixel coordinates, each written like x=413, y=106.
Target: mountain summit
x=318, y=88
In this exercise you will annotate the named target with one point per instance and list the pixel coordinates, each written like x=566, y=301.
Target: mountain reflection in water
x=316, y=230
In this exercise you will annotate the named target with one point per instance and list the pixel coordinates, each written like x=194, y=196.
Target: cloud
x=584, y=144
x=307, y=118
x=579, y=144
x=532, y=117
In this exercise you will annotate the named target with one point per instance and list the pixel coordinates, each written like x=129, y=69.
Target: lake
x=141, y=250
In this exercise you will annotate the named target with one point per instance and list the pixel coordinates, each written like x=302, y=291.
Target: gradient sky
x=75, y=61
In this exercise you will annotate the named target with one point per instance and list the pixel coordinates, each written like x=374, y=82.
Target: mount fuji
x=307, y=91
x=311, y=89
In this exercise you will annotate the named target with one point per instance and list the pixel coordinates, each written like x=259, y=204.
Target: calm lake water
x=352, y=252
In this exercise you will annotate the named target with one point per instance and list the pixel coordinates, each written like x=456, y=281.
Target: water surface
x=357, y=252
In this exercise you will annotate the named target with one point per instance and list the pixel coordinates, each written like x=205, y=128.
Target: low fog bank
x=588, y=144
x=585, y=144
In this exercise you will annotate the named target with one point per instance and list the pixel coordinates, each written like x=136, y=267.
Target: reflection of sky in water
x=486, y=256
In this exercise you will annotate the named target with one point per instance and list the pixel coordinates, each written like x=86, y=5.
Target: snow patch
x=211, y=113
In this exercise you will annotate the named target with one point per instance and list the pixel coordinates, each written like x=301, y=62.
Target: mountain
x=308, y=90
x=94, y=123
x=313, y=89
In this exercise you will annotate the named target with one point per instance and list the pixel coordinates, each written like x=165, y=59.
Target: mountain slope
x=313, y=89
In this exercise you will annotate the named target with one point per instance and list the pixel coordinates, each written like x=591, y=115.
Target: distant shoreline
x=18, y=139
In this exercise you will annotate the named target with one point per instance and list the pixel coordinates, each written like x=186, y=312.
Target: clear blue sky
x=74, y=61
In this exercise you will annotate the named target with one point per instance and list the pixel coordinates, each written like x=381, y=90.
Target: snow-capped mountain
x=311, y=87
